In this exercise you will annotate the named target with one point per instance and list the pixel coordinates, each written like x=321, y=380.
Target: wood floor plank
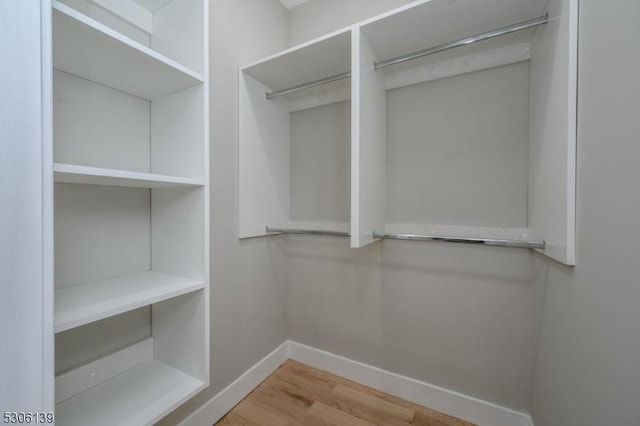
x=259, y=415
x=288, y=406
x=323, y=392
x=332, y=416
x=423, y=415
x=373, y=403
x=296, y=394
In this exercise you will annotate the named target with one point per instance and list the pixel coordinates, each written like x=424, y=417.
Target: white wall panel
x=263, y=151
x=177, y=131
x=457, y=150
x=586, y=371
x=552, y=132
x=320, y=163
x=26, y=189
x=101, y=232
x=368, y=144
x=95, y=126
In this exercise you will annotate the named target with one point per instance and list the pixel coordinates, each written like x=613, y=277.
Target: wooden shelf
x=85, y=303
x=88, y=49
x=138, y=396
x=71, y=173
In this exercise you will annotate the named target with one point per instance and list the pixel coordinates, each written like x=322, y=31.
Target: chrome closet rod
x=416, y=237
x=336, y=77
x=463, y=42
x=464, y=240
x=441, y=48
x=273, y=230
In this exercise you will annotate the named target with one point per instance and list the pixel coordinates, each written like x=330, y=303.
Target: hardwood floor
x=296, y=394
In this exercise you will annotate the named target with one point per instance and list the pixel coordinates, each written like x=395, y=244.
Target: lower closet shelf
x=85, y=303
x=139, y=395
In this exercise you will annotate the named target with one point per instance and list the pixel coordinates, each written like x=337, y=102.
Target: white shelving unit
x=131, y=207
x=474, y=141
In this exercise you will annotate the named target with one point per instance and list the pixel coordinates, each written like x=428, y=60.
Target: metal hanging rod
x=441, y=48
x=336, y=77
x=463, y=42
x=415, y=237
x=273, y=230
x=465, y=240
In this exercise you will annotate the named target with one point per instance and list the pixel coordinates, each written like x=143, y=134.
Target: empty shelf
x=84, y=303
x=70, y=173
x=141, y=395
x=317, y=59
x=88, y=49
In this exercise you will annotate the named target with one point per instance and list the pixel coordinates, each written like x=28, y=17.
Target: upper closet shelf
x=85, y=303
x=429, y=23
x=327, y=56
x=91, y=50
x=70, y=173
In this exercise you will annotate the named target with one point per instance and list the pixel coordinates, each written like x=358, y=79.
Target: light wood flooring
x=296, y=394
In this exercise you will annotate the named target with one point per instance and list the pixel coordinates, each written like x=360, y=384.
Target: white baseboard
x=229, y=397
x=474, y=410
x=453, y=403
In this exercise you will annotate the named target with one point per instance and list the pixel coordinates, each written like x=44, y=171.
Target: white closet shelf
x=314, y=60
x=71, y=173
x=428, y=23
x=85, y=303
x=91, y=50
x=138, y=396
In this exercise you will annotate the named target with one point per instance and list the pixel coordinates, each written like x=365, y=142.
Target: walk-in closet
x=312, y=212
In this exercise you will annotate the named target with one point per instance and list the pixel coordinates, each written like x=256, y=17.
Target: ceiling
x=290, y=4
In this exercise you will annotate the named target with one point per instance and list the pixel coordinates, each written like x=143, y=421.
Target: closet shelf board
x=71, y=173
x=88, y=49
x=135, y=397
x=307, y=62
x=433, y=22
x=85, y=303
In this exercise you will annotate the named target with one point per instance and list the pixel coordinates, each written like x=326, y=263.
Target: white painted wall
x=26, y=270
x=457, y=150
x=247, y=311
x=459, y=317
x=587, y=370
x=320, y=163
x=456, y=316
